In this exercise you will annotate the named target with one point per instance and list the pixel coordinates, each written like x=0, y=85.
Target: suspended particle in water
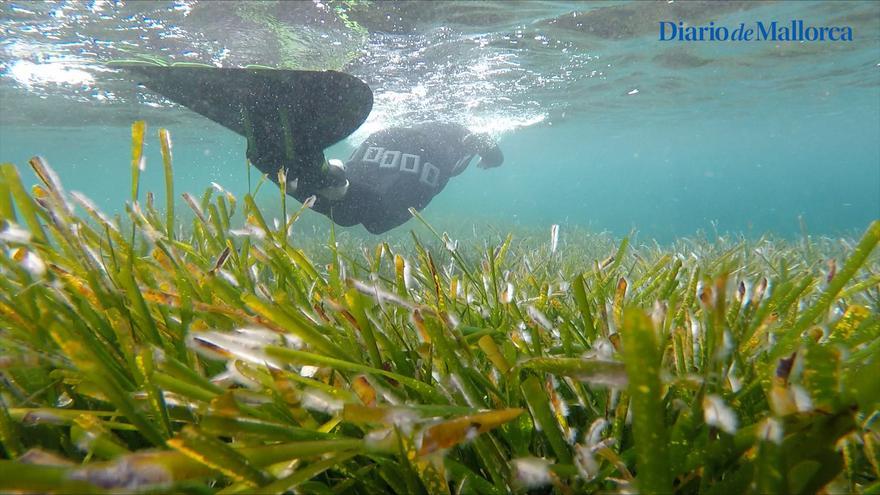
x=717, y=413
x=532, y=472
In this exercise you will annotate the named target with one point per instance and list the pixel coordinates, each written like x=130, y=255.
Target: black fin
x=319, y=107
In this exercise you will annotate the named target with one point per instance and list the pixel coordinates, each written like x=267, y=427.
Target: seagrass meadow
x=142, y=355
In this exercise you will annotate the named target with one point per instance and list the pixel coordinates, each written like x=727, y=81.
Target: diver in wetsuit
x=290, y=117
x=391, y=171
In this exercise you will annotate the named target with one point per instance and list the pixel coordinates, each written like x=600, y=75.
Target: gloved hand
x=482, y=144
x=338, y=184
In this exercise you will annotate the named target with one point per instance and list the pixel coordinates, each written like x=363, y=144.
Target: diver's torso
x=407, y=167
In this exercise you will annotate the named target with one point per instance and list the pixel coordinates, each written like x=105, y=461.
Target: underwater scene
x=457, y=247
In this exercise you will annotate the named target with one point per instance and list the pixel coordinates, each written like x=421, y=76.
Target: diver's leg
x=348, y=210
x=306, y=171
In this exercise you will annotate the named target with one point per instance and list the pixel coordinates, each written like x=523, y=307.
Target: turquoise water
x=603, y=127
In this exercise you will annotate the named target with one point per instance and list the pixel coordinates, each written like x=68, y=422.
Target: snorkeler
x=290, y=117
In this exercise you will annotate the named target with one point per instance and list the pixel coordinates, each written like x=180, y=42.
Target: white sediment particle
x=594, y=435
x=257, y=335
x=507, y=294
x=14, y=233
x=244, y=346
x=377, y=438
x=733, y=378
x=633, y=92
x=250, y=231
x=571, y=436
x=380, y=294
x=236, y=376
x=41, y=417
x=129, y=472
x=64, y=400
x=159, y=354
x=403, y=418
x=771, y=430
x=539, y=318
x=484, y=312
x=408, y=281
x=524, y=333
x=532, y=472
x=86, y=440
x=717, y=413
x=228, y=277
x=33, y=264
x=308, y=371
x=695, y=336
x=602, y=350
x=471, y=434
x=586, y=462
x=449, y=243
x=319, y=401
x=801, y=398
x=554, y=237
x=142, y=164
x=453, y=320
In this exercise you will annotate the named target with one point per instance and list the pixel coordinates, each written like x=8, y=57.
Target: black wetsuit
x=391, y=171
x=404, y=167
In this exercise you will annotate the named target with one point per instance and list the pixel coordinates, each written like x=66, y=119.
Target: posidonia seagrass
x=222, y=358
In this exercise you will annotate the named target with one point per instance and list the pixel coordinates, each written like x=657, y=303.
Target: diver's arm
x=482, y=144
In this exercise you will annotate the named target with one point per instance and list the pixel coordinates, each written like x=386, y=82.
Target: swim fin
x=314, y=108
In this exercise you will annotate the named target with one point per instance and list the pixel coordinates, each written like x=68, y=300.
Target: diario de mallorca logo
x=795, y=30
